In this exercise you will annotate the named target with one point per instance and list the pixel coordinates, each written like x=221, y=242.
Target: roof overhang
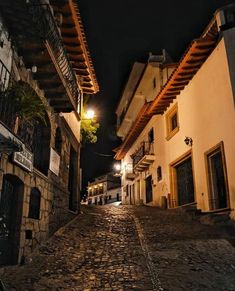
x=74, y=39
x=190, y=63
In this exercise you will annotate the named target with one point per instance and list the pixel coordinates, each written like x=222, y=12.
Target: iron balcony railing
x=129, y=168
x=146, y=148
x=46, y=25
x=8, y=111
x=7, y=106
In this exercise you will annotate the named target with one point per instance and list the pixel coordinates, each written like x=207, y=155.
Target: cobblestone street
x=129, y=248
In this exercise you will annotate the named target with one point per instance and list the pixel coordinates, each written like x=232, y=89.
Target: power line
x=103, y=155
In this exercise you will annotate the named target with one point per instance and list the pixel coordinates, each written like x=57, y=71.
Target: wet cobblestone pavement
x=129, y=248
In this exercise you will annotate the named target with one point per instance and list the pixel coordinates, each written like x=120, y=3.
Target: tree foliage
x=89, y=128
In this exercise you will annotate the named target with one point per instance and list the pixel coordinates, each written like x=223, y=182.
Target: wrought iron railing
x=8, y=112
x=7, y=108
x=46, y=25
x=146, y=148
x=129, y=168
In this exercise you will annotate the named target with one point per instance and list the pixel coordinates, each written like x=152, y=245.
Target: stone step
x=215, y=218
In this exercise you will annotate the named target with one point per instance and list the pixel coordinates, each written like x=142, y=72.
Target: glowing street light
x=90, y=114
x=117, y=167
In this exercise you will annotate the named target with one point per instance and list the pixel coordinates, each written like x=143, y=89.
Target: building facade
x=45, y=69
x=104, y=189
x=179, y=148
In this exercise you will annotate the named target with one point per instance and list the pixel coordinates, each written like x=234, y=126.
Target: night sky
x=120, y=32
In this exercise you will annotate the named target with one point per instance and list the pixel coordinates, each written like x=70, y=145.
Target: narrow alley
x=129, y=248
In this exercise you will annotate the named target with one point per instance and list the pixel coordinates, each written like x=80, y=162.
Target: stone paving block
x=103, y=250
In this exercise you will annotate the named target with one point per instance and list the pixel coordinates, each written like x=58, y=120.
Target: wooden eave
x=139, y=124
x=188, y=66
x=35, y=51
x=74, y=39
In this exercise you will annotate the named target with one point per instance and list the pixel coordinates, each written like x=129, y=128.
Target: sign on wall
x=24, y=159
x=54, y=162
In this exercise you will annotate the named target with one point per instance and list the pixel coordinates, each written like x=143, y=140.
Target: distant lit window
x=101, y=189
x=172, y=122
x=34, y=203
x=96, y=191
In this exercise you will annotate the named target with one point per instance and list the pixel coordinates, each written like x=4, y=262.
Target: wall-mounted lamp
x=34, y=69
x=188, y=141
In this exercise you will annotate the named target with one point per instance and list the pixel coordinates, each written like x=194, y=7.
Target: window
x=96, y=191
x=150, y=136
x=34, y=204
x=58, y=141
x=159, y=173
x=172, y=122
x=154, y=83
x=90, y=192
x=101, y=189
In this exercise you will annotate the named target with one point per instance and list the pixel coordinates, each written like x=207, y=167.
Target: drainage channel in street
x=153, y=272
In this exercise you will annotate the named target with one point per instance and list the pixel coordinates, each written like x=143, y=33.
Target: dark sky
x=120, y=32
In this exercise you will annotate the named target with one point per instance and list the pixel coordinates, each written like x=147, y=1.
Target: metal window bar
x=7, y=108
x=48, y=30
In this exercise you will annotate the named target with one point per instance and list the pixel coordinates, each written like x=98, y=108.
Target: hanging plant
x=28, y=107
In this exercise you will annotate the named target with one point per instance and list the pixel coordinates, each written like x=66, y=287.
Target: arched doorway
x=11, y=204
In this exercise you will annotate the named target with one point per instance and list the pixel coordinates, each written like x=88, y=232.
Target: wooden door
x=185, y=186
x=149, y=192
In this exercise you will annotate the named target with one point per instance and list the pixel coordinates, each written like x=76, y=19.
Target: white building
x=179, y=139
x=104, y=189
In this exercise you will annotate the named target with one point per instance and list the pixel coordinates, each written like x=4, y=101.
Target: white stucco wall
x=206, y=114
x=74, y=124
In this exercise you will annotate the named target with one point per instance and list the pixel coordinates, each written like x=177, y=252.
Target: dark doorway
x=149, y=191
x=73, y=180
x=133, y=193
x=185, y=186
x=11, y=203
x=218, y=188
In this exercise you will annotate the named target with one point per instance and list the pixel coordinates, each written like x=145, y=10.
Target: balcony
x=9, y=142
x=129, y=173
x=34, y=32
x=143, y=157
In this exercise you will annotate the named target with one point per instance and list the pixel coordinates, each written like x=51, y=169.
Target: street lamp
x=117, y=167
x=89, y=114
